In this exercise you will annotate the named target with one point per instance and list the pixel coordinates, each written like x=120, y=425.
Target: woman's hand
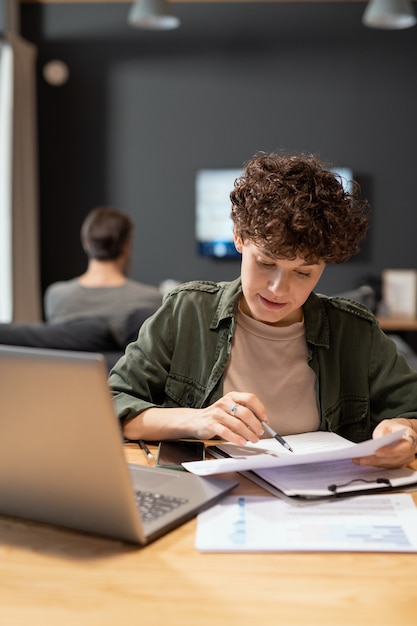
x=397, y=454
x=236, y=417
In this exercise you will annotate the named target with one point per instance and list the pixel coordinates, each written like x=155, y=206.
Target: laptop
x=61, y=452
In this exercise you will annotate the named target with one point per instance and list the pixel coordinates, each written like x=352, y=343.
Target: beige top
x=271, y=361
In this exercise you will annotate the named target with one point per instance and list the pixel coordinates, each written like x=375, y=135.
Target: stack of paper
x=320, y=466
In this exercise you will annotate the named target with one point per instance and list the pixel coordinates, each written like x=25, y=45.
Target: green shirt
x=181, y=353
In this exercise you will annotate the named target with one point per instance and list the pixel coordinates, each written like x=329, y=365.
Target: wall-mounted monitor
x=214, y=228
x=213, y=225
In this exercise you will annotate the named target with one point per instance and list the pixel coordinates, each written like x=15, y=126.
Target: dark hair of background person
x=105, y=232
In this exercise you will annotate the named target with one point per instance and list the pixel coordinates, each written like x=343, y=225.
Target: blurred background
x=127, y=117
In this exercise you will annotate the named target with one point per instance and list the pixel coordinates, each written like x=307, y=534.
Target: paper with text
x=325, y=479
x=314, y=447
x=379, y=523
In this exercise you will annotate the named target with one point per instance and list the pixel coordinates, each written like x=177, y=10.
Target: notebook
x=61, y=452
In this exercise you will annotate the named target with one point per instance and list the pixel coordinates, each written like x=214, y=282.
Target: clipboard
x=309, y=483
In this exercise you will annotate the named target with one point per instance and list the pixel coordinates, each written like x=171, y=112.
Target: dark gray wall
x=142, y=111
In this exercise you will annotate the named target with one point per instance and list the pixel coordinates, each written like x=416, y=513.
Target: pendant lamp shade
x=389, y=14
x=153, y=15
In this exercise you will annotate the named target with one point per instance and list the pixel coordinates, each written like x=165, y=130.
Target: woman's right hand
x=236, y=417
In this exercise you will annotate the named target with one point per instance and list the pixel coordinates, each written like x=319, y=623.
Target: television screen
x=213, y=225
x=346, y=176
x=214, y=228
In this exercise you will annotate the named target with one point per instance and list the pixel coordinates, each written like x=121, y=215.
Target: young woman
x=217, y=359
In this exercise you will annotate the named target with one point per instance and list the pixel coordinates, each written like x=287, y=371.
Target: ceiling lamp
x=153, y=15
x=389, y=14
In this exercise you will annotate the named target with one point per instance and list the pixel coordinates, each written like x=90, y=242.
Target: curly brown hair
x=293, y=206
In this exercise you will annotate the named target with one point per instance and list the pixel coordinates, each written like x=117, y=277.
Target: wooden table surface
x=50, y=576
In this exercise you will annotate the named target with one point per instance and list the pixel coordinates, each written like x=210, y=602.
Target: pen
x=142, y=445
x=277, y=437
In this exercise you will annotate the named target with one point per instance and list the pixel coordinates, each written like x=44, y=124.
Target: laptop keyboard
x=153, y=505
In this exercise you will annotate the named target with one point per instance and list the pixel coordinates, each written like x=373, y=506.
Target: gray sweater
x=68, y=300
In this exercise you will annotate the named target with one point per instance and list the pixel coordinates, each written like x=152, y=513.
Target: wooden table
x=50, y=576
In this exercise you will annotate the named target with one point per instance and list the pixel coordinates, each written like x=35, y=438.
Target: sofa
x=83, y=335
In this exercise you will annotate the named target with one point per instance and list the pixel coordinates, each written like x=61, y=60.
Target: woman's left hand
x=397, y=454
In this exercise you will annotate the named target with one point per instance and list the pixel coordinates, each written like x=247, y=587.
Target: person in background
x=104, y=291
x=218, y=359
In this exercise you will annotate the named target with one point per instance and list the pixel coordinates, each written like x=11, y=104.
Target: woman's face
x=275, y=289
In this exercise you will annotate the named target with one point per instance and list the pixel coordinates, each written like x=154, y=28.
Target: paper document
x=314, y=447
x=334, y=477
x=379, y=523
